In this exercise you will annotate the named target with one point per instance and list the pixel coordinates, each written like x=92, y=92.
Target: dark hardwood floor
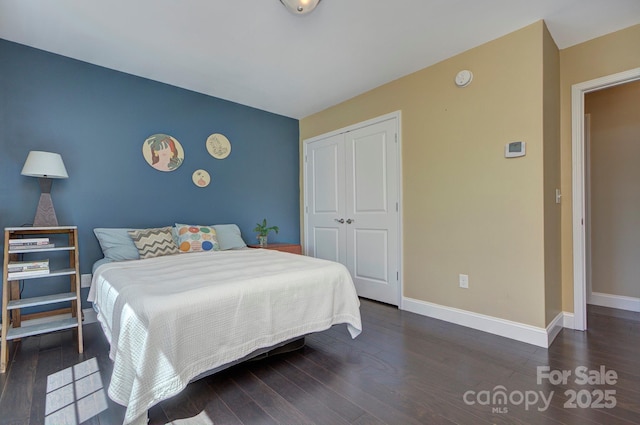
x=403, y=369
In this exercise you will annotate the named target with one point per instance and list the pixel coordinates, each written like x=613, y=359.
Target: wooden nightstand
x=285, y=247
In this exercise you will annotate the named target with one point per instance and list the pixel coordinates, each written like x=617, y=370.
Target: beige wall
x=551, y=116
x=615, y=197
x=466, y=208
x=597, y=58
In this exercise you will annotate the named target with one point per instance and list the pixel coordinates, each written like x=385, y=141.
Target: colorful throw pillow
x=192, y=238
x=154, y=242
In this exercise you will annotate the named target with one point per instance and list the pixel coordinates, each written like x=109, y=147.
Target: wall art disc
x=163, y=152
x=218, y=146
x=201, y=178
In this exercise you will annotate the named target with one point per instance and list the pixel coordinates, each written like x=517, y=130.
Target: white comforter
x=171, y=318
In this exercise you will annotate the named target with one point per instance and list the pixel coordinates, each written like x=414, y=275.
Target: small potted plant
x=263, y=231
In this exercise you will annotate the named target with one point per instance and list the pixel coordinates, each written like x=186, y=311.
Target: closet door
x=371, y=219
x=351, y=206
x=325, y=199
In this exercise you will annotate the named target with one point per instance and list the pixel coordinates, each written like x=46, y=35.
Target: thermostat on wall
x=514, y=149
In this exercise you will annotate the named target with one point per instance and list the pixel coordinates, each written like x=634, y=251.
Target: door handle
x=349, y=221
x=339, y=221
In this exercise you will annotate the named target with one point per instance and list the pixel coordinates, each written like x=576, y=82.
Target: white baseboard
x=615, y=301
x=540, y=337
x=568, y=320
x=554, y=328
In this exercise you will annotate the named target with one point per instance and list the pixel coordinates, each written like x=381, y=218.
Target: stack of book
x=21, y=269
x=30, y=243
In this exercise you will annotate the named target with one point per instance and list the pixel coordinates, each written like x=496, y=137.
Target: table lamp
x=46, y=166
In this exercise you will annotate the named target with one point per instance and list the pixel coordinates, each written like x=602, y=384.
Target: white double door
x=352, y=205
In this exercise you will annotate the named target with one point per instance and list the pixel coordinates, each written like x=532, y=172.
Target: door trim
x=578, y=185
x=305, y=211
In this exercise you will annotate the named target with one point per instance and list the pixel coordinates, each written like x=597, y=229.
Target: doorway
x=612, y=196
x=579, y=175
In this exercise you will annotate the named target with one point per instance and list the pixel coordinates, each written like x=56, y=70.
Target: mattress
x=170, y=319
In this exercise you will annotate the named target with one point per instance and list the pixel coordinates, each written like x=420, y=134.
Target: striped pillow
x=154, y=242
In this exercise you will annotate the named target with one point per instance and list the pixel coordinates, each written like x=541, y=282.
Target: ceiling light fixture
x=300, y=7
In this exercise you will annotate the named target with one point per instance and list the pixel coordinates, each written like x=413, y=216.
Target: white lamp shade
x=300, y=7
x=44, y=164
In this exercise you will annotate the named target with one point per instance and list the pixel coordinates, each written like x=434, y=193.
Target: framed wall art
x=163, y=152
x=201, y=178
x=218, y=146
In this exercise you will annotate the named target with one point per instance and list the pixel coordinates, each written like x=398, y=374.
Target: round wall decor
x=163, y=152
x=201, y=178
x=218, y=146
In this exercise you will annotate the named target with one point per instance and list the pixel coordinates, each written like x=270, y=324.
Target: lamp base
x=45, y=214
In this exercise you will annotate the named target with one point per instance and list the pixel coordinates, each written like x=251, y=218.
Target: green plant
x=263, y=230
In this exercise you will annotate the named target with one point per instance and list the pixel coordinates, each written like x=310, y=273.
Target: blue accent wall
x=98, y=119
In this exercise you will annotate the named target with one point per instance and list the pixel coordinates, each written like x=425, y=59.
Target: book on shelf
x=17, y=247
x=29, y=241
x=21, y=266
x=28, y=267
x=28, y=273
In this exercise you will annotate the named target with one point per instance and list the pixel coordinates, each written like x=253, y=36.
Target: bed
x=172, y=319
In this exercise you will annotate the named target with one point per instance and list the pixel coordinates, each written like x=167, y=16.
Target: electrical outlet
x=464, y=281
x=85, y=280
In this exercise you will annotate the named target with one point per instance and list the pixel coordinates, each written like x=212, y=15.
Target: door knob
x=349, y=221
x=339, y=221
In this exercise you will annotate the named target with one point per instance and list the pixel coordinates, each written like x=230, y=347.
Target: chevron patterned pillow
x=154, y=242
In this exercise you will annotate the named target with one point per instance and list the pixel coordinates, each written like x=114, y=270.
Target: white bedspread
x=171, y=318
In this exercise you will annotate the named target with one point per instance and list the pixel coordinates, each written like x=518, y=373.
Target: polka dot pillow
x=193, y=238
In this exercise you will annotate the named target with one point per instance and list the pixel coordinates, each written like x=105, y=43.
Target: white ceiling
x=256, y=53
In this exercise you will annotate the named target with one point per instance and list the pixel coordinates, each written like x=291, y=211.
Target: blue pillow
x=116, y=244
x=229, y=236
